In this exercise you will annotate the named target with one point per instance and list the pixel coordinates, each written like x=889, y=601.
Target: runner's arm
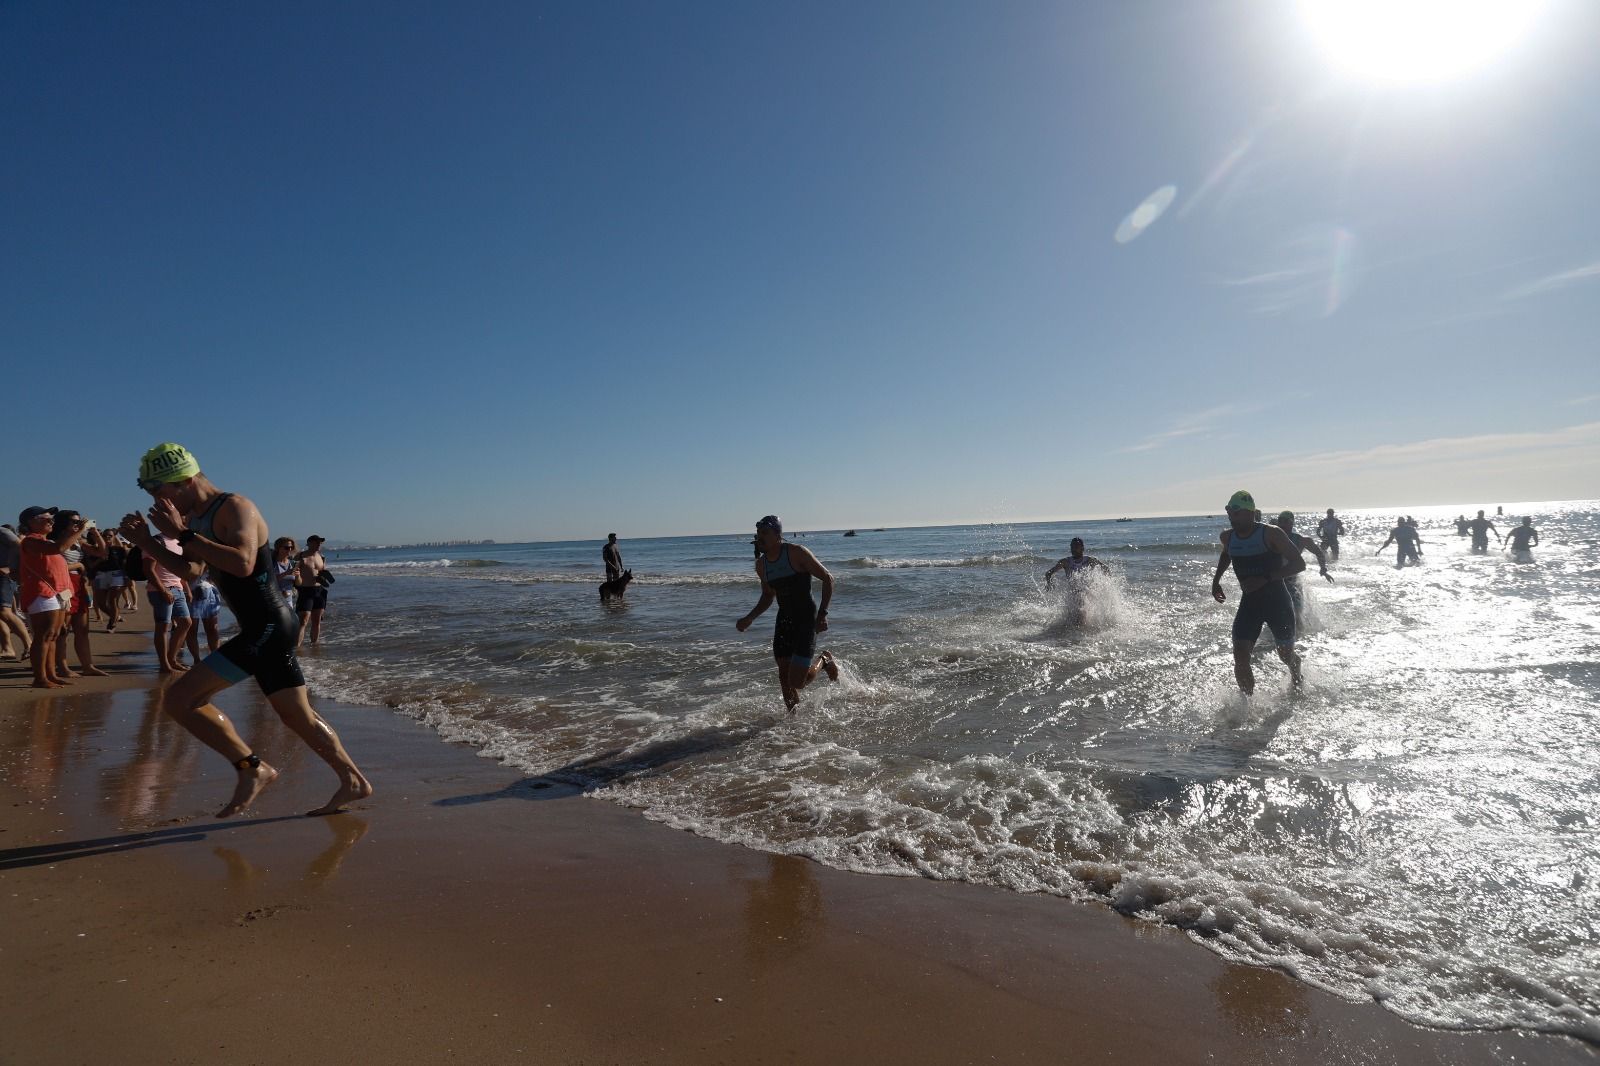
x=767, y=596
x=810, y=564
x=1222, y=565
x=1288, y=551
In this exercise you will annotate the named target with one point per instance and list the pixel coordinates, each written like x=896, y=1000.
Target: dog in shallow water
x=613, y=589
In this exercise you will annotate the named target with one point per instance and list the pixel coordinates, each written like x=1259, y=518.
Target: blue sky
x=523, y=271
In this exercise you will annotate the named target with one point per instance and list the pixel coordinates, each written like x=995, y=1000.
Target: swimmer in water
x=1074, y=564
x=1331, y=529
x=224, y=531
x=1261, y=557
x=1297, y=596
x=1480, y=528
x=1523, y=537
x=785, y=571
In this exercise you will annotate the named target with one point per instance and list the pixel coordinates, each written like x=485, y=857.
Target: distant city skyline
x=404, y=273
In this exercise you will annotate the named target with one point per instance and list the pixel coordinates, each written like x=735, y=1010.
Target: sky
x=522, y=271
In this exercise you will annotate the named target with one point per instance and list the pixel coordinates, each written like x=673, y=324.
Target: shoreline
x=470, y=911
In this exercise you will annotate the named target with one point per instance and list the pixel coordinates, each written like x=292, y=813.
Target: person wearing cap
x=1261, y=557
x=45, y=589
x=75, y=616
x=310, y=594
x=1330, y=529
x=1404, y=537
x=1297, y=596
x=785, y=572
x=225, y=531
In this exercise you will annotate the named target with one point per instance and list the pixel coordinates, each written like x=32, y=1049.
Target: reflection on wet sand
x=347, y=829
x=782, y=911
x=45, y=729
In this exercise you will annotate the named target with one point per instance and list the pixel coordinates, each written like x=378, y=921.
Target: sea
x=1417, y=824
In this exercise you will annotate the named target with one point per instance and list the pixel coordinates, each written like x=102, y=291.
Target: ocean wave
x=417, y=564
x=872, y=562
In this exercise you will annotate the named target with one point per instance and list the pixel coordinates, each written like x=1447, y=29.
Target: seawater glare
x=1418, y=825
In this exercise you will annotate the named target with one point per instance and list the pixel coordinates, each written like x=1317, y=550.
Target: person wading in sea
x=785, y=571
x=1261, y=556
x=1073, y=564
x=1523, y=537
x=1297, y=596
x=1479, y=528
x=224, y=531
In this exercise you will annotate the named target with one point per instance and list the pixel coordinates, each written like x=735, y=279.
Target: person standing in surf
x=1297, y=596
x=1523, y=537
x=1073, y=564
x=224, y=531
x=1331, y=529
x=1479, y=528
x=785, y=571
x=1261, y=557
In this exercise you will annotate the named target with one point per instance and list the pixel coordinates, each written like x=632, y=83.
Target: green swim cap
x=166, y=464
x=1286, y=516
x=1241, y=501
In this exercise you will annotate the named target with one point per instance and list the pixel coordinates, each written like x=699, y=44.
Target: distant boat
x=849, y=532
x=878, y=530
x=1124, y=520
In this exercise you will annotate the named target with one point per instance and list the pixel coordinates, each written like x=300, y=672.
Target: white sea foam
x=1388, y=830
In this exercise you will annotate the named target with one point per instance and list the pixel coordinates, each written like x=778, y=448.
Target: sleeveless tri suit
x=1268, y=605
x=795, y=636
x=264, y=647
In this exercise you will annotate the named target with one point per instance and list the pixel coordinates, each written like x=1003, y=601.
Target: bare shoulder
x=1227, y=537
x=805, y=558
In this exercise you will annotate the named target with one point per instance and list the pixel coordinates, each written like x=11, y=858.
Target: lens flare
x=1144, y=216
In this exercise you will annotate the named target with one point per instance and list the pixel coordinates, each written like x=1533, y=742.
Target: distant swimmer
x=1262, y=557
x=1076, y=563
x=612, y=556
x=1404, y=537
x=1285, y=522
x=224, y=531
x=1416, y=539
x=1523, y=537
x=1461, y=525
x=785, y=571
x=1480, y=528
x=1330, y=529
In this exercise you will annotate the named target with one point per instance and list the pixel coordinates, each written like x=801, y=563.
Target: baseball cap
x=30, y=513
x=1241, y=501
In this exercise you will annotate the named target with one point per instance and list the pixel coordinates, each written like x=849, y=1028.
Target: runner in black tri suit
x=225, y=532
x=786, y=571
x=1261, y=557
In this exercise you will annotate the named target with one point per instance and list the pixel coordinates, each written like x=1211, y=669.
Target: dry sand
x=465, y=913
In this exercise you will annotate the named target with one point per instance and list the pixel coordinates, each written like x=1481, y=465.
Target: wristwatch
x=186, y=536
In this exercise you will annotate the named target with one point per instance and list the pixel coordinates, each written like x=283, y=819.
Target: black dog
x=614, y=589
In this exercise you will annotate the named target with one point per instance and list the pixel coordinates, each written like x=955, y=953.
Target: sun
x=1409, y=42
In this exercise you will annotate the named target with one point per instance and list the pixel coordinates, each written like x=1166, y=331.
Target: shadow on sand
x=617, y=765
x=47, y=854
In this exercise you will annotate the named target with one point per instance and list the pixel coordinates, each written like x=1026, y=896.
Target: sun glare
x=1418, y=41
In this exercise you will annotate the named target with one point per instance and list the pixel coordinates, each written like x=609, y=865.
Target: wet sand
x=469, y=913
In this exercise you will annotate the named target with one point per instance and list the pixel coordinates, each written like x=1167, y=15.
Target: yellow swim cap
x=166, y=464
x=1241, y=501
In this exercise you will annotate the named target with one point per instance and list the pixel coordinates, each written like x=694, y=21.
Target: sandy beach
x=469, y=913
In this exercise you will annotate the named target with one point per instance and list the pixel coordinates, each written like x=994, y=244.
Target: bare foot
x=47, y=684
x=356, y=788
x=67, y=673
x=251, y=782
x=95, y=671
x=830, y=667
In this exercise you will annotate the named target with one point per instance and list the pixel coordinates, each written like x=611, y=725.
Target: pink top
x=160, y=574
